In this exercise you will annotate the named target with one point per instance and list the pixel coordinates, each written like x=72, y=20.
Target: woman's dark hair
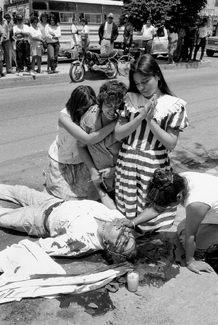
x=79, y=102
x=44, y=14
x=52, y=17
x=112, y=92
x=163, y=188
x=147, y=66
x=83, y=20
x=34, y=19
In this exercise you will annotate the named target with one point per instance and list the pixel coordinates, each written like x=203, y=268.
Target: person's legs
x=56, y=50
x=203, y=45
x=27, y=55
x=39, y=62
x=7, y=55
x=19, y=55
x=29, y=218
x=50, y=52
x=196, y=51
x=33, y=62
x=149, y=46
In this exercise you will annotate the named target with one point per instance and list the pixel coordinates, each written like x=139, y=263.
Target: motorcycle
x=93, y=62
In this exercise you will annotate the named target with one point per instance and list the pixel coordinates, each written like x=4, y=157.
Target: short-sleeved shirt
x=203, y=188
x=148, y=32
x=104, y=153
x=169, y=112
x=74, y=229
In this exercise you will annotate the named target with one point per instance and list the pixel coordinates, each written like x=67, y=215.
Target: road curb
x=41, y=79
x=186, y=65
x=27, y=81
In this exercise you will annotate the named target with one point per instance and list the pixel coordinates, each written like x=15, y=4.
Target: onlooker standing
x=21, y=34
x=52, y=34
x=7, y=43
x=1, y=49
x=180, y=44
x=75, y=34
x=203, y=33
x=172, y=45
x=108, y=32
x=127, y=34
x=148, y=32
x=36, y=43
x=84, y=34
x=191, y=38
x=42, y=23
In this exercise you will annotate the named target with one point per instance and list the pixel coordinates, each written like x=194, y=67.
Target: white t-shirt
x=18, y=29
x=148, y=32
x=203, y=188
x=203, y=31
x=64, y=148
x=107, y=30
x=73, y=227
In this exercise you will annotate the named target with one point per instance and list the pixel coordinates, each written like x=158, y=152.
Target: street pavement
x=12, y=80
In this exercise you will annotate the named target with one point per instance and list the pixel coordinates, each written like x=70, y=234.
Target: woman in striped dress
x=149, y=127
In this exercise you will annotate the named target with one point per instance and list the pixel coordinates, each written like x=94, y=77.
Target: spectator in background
x=8, y=43
x=180, y=44
x=85, y=41
x=191, y=38
x=148, y=32
x=36, y=44
x=2, y=32
x=52, y=34
x=21, y=34
x=203, y=33
x=172, y=45
x=43, y=21
x=127, y=34
x=75, y=34
x=108, y=32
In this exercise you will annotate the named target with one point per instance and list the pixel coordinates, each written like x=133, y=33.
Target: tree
x=161, y=11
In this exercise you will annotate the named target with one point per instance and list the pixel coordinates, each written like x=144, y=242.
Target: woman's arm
x=77, y=132
x=195, y=213
x=145, y=216
x=124, y=127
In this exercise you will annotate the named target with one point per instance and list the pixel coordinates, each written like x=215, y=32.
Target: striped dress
x=142, y=153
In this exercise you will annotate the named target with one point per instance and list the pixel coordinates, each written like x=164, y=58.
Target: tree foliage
x=161, y=11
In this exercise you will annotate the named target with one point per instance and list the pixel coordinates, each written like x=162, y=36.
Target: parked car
x=212, y=45
x=160, y=42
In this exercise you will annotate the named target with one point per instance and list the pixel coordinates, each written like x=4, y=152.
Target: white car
x=160, y=42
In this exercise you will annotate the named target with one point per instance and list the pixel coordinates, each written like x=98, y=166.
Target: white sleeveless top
x=64, y=148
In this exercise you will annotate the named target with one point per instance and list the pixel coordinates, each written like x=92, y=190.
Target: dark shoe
x=54, y=71
x=49, y=72
x=2, y=75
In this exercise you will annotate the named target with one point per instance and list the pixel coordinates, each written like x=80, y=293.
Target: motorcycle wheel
x=76, y=72
x=111, y=71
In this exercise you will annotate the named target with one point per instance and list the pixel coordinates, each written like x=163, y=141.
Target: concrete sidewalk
x=13, y=81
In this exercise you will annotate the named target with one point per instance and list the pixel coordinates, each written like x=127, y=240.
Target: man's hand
x=198, y=266
x=124, y=222
x=107, y=172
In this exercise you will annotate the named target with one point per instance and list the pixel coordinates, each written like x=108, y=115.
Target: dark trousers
x=148, y=46
x=191, y=44
x=202, y=45
x=8, y=50
x=52, y=51
x=23, y=55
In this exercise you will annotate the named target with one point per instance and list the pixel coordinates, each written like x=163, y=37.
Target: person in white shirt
x=108, y=32
x=198, y=193
x=52, y=34
x=203, y=33
x=21, y=35
x=172, y=44
x=67, y=228
x=148, y=32
x=36, y=43
x=85, y=41
x=75, y=34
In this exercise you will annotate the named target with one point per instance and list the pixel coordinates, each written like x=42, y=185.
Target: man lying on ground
x=66, y=228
